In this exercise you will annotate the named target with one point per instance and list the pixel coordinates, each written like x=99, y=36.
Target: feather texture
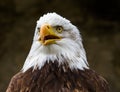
x=55, y=78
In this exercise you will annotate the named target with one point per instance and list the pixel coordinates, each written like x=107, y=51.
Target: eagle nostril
x=48, y=27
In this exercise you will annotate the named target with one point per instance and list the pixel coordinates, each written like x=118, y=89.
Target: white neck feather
x=63, y=51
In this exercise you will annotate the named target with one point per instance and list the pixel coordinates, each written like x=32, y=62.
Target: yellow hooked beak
x=47, y=35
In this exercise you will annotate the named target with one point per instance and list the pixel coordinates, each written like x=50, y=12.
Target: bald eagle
x=57, y=61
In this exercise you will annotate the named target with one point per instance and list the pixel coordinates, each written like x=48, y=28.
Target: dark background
x=98, y=21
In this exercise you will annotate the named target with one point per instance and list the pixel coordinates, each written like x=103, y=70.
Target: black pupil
x=58, y=28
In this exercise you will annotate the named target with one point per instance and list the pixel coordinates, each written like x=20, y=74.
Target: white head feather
x=70, y=46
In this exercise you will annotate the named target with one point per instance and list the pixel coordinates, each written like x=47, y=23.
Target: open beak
x=47, y=35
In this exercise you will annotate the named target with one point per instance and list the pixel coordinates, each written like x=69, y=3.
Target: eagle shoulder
x=18, y=83
x=93, y=81
x=14, y=83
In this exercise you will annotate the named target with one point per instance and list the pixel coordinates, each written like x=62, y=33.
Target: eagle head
x=56, y=39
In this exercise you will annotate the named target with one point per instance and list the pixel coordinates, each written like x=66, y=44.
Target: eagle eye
x=59, y=29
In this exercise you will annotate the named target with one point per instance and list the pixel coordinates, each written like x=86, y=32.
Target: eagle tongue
x=50, y=37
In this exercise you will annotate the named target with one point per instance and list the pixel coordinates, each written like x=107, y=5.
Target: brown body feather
x=54, y=78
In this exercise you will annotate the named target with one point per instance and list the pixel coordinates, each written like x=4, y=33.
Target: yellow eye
x=59, y=29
